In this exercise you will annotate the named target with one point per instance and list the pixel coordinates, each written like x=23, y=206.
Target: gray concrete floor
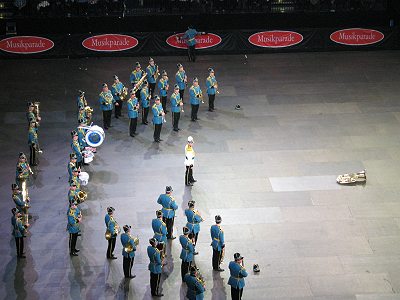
x=269, y=170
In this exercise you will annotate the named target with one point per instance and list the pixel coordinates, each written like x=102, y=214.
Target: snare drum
x=95, y=136
x=87, y=156
x=84, y=178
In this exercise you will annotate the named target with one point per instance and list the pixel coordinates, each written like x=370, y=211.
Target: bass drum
x=95, y=136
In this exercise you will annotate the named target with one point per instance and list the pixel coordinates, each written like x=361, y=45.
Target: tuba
x=81, y=197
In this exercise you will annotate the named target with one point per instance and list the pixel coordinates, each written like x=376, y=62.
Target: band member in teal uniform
x=160, y=229
x=169, y=207
x=81, y=100
x=163, y=86
x=212, y=87
x=81, y=134
x=73, y=227
x=236, y=280
x=19, y=230
x=20, y=203
x=72, y=193
x=117, y=90
x=75, y=179
x=187, y=251
x=71, y=165
x=152, y=75
x=135, y=77
x=190, y=37
x=145, y=102
x=33, y=143
x=113, y=228
x=128, y=251
x=196, y=287
x=76, y=148
x=181, y=80
x=158, y=118
x=176, y=107
x=155, y=267
x=133, y=112
x=193, y=220
x=217, y=243
x=107, y=102
x=196, y=95
x=23, y=170
x=30, y=115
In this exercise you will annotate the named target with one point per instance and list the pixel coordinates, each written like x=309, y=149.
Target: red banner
x=203, y=41
x=275, y=39
x=110, y=42
x=357, y=36
x=26, y=44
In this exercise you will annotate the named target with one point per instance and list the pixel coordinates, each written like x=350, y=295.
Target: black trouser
x=127, y=265
x=185, y=268
x=107, y=118
x=32, y=154
x=132, y=126
x=137, y=93
x=154, y=282
x=189, y=175
x=192, y=53
x=195, y=109
x=157, y=131
x=118, y=108
x=216, y=259
x=175, y=120
x=170, y=226
x=72, y=242
x=164, y=103
x=196, y=236
x=145, y=113
x=181, y=93
x=19, y=243
x=152, y=87
x=111, y=246
x=79, y=163
x=211, y=99
x=236, y=293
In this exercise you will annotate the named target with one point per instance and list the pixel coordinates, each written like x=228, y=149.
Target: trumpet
x=201, y=97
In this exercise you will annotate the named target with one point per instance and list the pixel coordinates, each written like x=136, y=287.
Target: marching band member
x=193, y=221
x=81, y=100
x=133, y=112
x=113, y=228
x=33, y=143
x=72, y=193
x=196, y=95
x=128, y=254
x=73, y=227
x=212, y=87
x=135, y=77
x=145, y=102
x=152, y=75
x=75, y=179
x=81, y=134
x=217, y=243
x=189, y=162
x=71, y=165
x=169, y=207
x=23, y=170
x=196, y=288
x=187, y=252
x=117, y=90
x=160, y=229
x=107, y=102
x=30, y=115
x=20, y=204
x=176, y=107
x=236, y=280
x=181, y=80
x=155, y=267
x=190, y=37
x=158, y=118
x=18, y=232
x=76, y=148
x=163, y=87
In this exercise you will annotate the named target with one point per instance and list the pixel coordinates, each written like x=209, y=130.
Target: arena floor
x=269, y=170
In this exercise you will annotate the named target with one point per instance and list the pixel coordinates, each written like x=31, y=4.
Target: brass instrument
x=215, y=86
x=352, y=178
x=222, y=255
x=36, y=111
x=25, y=198
x=107, y=235
x=156, y=73
x=129, y=248
x=161, y=247
x=201, y=96
x=123, y=94
x=200, y=277
x=81, y=197
x=139, y=83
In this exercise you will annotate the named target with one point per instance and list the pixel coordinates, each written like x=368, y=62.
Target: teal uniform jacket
x=81, y=138
x=155, y=265
x=132, y=111
x=23, y=170
x=19, y=202
x=18, y=227
x=195, y=288
x=30, y=116
x=76, y=148
x=135, y=77
x=237, y=275
x=160, y=230
x=162, y=86
x=180, y=79
x=144, y=97
x=106, y=101
x=193, y=221
x=157, y=113
x=80, y=101
x=189, y=36
x=168, y=205
x=70, y=167
x=217, y=237
x=175, y=103
x=151, y=73
x=125, y=240
x=72, y=196
x=111, y=225
x=194, y=94
x=32, y=136
x=210, y=85
x=187, y=248
x=116, y=88
x=73, y=223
